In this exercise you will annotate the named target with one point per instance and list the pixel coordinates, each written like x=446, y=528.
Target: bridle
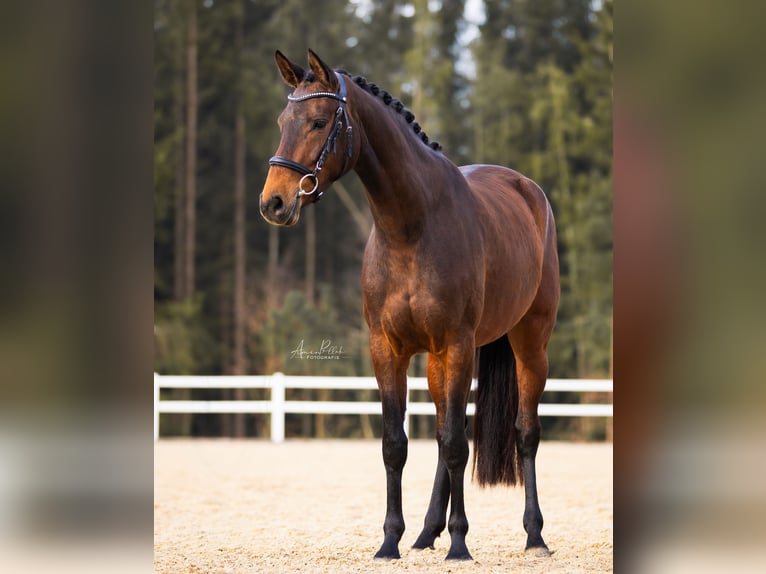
x=329, y=146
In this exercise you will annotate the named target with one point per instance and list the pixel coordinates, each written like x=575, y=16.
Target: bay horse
x=461, y=263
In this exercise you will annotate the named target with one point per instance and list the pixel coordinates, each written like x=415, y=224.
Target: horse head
x=316, y=146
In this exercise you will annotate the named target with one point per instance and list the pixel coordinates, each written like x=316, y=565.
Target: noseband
x=329, y=146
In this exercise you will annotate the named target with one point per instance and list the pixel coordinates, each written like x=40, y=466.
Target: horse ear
x=322, y=71
x=292, y=74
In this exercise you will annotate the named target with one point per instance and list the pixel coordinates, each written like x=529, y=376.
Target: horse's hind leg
x=529, y=340
x=436, y=515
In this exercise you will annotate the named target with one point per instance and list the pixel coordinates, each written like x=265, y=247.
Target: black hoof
x=382, y=557
x=459, y=553
x=389, y=551
x=465, y=557
x=424, y=541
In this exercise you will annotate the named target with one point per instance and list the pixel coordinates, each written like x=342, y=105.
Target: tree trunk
x=363, y=220
x=191, y=149
x=239, y=246
x=225, y=337
x=179, y=288
x=321, y=421
x=272, y=266
x=557, y=88
x=238, y=363
x=311, y=255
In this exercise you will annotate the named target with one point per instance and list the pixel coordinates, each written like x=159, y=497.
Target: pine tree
x=542, y=105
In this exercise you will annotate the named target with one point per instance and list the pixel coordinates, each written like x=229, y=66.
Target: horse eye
x=318, y=124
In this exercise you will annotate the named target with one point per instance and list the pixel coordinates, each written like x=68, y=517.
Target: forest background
x=521, y=83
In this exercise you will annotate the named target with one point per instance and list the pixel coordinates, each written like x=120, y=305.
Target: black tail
x=496, y=459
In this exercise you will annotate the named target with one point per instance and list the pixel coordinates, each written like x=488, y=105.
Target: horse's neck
x=394, y=166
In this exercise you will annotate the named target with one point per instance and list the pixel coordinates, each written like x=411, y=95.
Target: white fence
x=277, y=407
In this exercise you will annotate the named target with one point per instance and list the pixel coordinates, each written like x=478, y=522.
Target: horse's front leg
x=436, y=515
x=391, y=374
x=454, y=446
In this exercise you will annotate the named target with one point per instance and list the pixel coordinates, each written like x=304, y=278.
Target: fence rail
x=278, y=407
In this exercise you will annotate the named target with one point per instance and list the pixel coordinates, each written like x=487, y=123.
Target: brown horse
x=458, y=259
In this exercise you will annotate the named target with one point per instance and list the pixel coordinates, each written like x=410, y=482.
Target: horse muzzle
x=280, y=211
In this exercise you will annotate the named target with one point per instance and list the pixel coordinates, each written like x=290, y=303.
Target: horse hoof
x=389, y=550
x=459, y=554
x=381, y=557
x=538, y=552
x=424, y=542
x=387, y=553
x=464, y=557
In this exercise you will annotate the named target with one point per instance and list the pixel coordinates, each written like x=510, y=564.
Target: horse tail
x=495, y=438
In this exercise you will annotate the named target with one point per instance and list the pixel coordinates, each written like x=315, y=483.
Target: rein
x=329, y=146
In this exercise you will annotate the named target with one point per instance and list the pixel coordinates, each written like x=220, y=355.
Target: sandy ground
x=317, y=506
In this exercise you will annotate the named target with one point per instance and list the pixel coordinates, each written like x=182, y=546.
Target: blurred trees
x=235, y=295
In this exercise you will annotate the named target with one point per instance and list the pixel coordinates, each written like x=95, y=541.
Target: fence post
x=277, y=408
x=156, y=407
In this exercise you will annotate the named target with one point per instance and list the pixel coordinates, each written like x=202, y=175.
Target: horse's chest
x=410, y=309
x=411, y=321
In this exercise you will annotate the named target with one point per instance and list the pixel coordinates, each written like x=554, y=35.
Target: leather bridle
x=341, y=116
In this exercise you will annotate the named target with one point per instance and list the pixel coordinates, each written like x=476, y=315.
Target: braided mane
x=394, y=103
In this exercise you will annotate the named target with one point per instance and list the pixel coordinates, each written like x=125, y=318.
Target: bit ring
x=313, y=189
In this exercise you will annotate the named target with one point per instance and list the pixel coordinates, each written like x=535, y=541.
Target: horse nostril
x=275, y=205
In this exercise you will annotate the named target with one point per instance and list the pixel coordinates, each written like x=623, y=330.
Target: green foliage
x=542, y=105
x=432, y=80
x=299, y=326
x=182, y=346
